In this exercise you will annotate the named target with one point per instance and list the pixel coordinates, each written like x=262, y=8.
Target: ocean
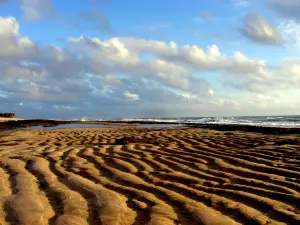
x=263, y=121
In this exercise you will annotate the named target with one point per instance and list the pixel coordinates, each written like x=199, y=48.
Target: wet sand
x=175, y=176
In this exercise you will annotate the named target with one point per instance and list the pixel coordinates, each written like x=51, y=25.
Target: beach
x=143, y=176
x=9, y=119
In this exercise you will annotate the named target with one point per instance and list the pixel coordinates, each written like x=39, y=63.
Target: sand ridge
x=188, y=176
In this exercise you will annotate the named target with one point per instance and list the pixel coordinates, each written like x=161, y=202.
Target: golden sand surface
x=187, y=176
x=9, y=119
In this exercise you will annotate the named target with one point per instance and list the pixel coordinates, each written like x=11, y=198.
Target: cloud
x=279, y=78
x=196, y=58
x=38, y=9
x=172, y=65
x=290, y=31
x=211, y=92
x=84, y=73
x=258, y=29
x=11, y=45
x=131, y=96
x=112, y=56
x=96, y=20
x=288, y=9
x=111, y=77
x=291, y=60
x=240, y=3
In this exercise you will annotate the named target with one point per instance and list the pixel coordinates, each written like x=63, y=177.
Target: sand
x=187, y=176
x=9, y=119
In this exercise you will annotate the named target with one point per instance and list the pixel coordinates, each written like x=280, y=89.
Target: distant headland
x=7, y=115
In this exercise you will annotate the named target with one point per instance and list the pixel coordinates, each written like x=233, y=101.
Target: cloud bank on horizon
x=107, y=59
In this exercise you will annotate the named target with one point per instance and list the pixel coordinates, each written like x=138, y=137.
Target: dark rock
x=288, y=142
x=12, y=125
x=246, y=128
x=50, y=125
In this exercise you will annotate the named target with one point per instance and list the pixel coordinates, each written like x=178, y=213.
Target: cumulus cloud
x=112, y=55
x=288, y=9
x=258, y=29
x=84, y=73
x=198, y=59
x=11, y=45
x=112, y=78
x=172, y=65
x=284, y=76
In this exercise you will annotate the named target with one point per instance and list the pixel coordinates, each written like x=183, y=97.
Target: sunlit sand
x=186, y=176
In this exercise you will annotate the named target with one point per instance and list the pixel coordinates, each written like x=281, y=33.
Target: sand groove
x=187, y=176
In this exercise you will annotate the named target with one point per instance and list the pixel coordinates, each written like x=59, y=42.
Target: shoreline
x=17, y=124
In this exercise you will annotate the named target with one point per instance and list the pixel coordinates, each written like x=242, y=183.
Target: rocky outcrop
x=12, y=125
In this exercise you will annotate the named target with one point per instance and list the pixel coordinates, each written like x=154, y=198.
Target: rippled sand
x=188, y=176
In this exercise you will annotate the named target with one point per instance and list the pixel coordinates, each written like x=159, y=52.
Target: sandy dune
x=192, y=176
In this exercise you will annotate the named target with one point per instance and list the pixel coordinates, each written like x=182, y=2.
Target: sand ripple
x=188, y=176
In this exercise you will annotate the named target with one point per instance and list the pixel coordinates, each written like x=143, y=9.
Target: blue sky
x=149, y=58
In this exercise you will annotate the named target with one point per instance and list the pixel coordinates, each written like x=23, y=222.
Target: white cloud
x=11, y=44
x=64, y=107
x=192, y=56
x=258, y=29
x=9, y=27
x=94, y=75
x=290, y=31
x=211, y=92
x=282, y=77
x=291, y=60
x=131, y=96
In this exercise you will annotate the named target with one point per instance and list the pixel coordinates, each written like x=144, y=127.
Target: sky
x=173, y=58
